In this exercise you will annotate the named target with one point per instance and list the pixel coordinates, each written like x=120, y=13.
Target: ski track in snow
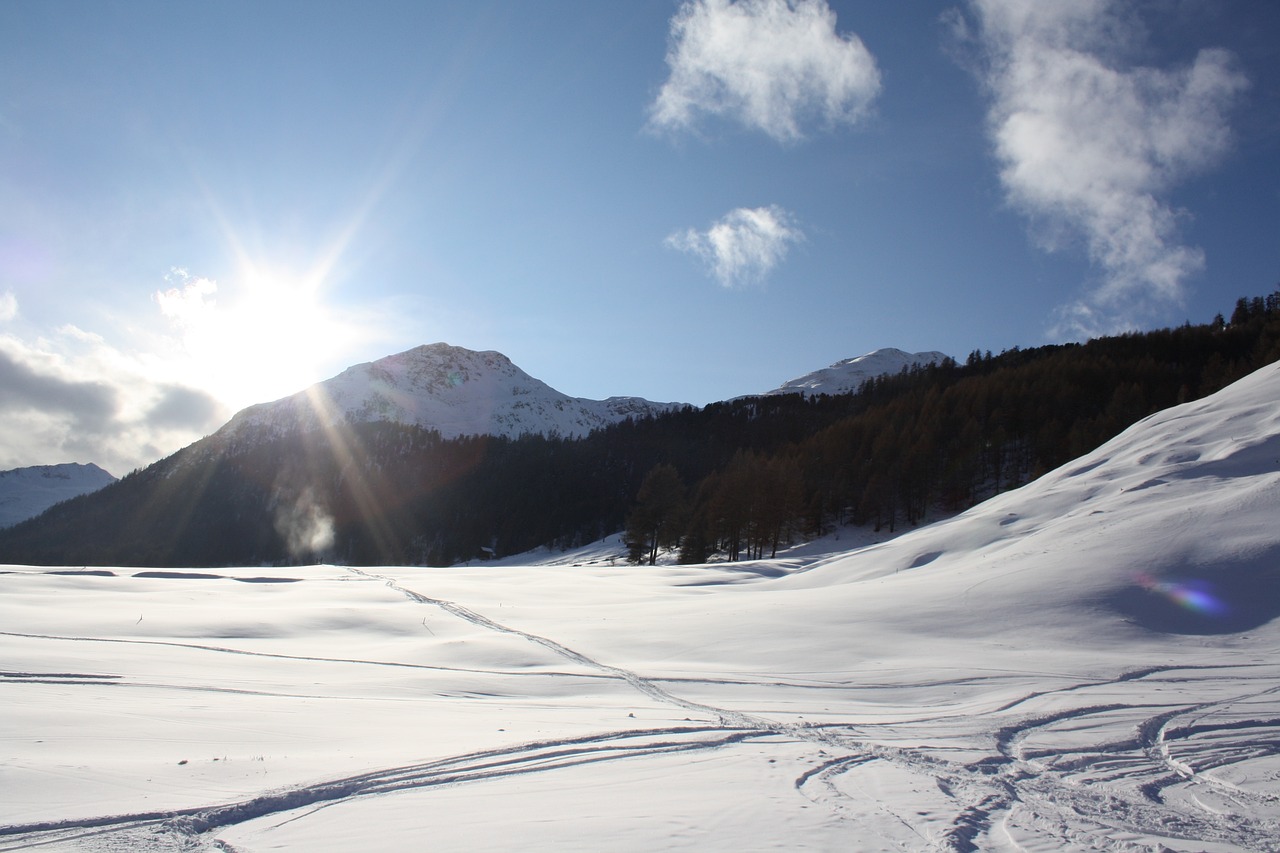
x=1069, y=797
x=247, y=652
x=184, y=826
x=728, y=719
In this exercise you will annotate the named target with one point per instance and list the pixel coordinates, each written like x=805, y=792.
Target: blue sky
x=209, y=205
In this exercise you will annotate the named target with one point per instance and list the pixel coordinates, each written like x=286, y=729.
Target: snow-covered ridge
x=27, y=492
x=461, y=392
x=450, y=389
x=848, y=375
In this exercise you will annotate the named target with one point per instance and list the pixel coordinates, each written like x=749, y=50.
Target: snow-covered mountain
x=453, y=390
x=460, y=392
x=848, y=375
x=27, y=492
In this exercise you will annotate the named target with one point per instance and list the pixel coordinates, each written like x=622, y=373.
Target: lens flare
x=1195, y=595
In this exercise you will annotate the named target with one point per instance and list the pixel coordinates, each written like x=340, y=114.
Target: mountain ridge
x=27, y=492
x=450, y=389
x=847, y=375
x=458, y=392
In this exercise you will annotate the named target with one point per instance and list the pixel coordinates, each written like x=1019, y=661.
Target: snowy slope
x=27, y=492
x=1087, y=663
x=454, y=390
x=848, y=375
x=1175, y=524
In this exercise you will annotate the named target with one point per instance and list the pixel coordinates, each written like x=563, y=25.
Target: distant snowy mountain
x=450, y=389
x=848, y=375
x=27, y=492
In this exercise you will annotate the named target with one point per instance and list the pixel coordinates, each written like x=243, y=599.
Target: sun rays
x=262, y=335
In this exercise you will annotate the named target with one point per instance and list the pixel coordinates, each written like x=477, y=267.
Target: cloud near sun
x=768, y=64
x=72, y=396
x=1088, y=148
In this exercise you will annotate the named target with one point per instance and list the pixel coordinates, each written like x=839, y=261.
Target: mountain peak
x=451, y=389
x=848, y=375
x=27, y=492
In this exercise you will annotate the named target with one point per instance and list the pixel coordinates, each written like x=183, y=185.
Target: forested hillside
x=735, y=479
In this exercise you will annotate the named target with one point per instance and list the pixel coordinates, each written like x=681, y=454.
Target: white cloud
x=769, y=64
x=73, y=397
x=8, y=306
x=189, y=300
x=1089, y=149
x=743, y=246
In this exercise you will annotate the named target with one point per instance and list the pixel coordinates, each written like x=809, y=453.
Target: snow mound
x=1171, y=526
x=450, y=389
x=27, y=492
x=846, y=376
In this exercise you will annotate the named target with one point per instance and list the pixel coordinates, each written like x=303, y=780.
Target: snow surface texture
x=27, y=492
x=1091, y=662
x=848, y=375
x=450, y=389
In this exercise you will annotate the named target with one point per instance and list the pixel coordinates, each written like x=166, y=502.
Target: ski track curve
x=1036, y=789
x=186, y=826
x=227, y=650
x=972, y=816
x=727, y=718
x=1137, y=807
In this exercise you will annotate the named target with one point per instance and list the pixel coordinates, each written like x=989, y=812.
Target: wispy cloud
x=1089, y=148
x=769, y=64
x=188, y=300
x=8, y=306
x=744, y=245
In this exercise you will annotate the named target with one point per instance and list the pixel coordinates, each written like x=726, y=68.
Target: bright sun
x=265, y=336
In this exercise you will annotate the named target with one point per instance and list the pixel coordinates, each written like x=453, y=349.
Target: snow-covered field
x=1091, y=662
